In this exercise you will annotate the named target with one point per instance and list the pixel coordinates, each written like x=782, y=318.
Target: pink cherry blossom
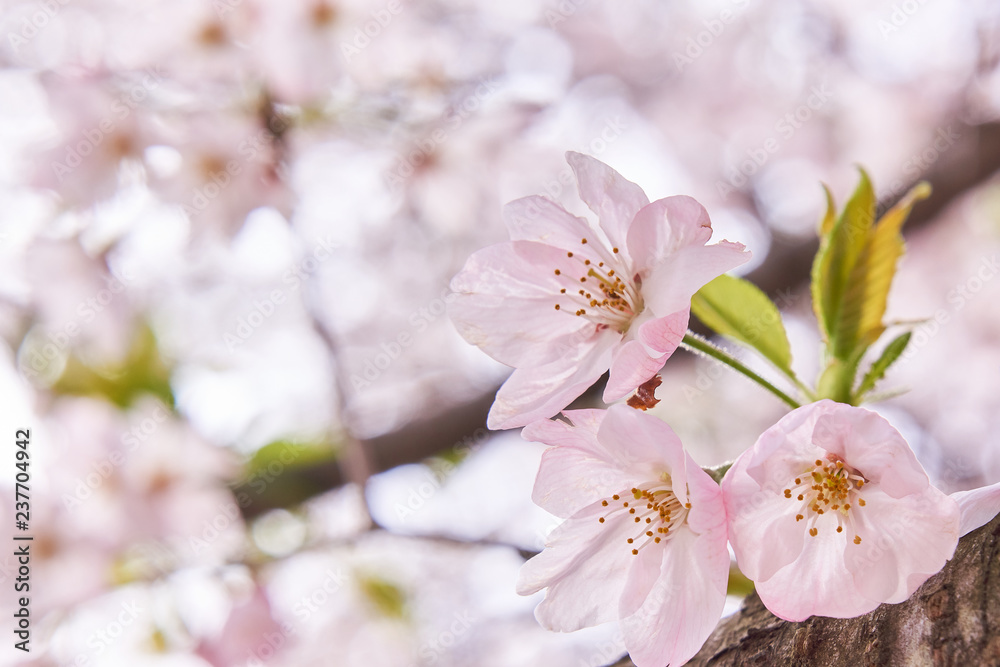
x=565, y=301
x=830, y=514
x=644, y=540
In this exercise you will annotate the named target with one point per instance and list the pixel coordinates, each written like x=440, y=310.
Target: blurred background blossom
x=227, y=229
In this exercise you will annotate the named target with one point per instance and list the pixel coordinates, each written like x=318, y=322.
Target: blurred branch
x=970, y=161
x=973, y=159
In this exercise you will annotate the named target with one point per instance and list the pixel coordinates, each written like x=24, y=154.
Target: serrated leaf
x=739, y=310
x=889, y=355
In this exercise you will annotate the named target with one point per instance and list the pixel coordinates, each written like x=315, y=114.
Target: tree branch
x=953, y=619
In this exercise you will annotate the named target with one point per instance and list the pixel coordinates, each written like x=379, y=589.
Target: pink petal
x=536, y=218
x=684, y=605
x=664, y=227
x=706, y=517
x=539, y=392
x=708, y=510
x=610, y=451
x=978, y=507
x=762, y=526
x=817, y=583
x=664, y=334
x=640, y=442
x=642, y=577
x=631, y=366
x=570, y=479
x=614, y=199
x=580, y=432
x=584, y=565
x=904, y=541
x=870, y=444
x=672, y=282
x=505, y=304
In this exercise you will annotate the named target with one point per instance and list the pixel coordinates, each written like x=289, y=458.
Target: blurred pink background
x=227, y=229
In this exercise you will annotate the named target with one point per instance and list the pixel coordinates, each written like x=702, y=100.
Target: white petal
x=685, y=603
x=539, y=392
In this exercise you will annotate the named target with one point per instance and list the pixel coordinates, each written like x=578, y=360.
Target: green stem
x=806, y=391
x=692, y=341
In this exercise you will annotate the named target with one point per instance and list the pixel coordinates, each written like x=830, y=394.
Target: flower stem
x=693, y=341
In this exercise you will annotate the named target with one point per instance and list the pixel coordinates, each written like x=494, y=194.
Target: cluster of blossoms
x=829, y=513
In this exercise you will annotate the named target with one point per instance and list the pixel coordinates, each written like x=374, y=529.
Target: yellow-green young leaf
x=868, y=283
x=739, y=310
x=831, y=213
x=889, y=355
x=839, y=250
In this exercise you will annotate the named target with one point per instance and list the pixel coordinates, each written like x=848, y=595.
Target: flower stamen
x=661, y=515
x=828, y=487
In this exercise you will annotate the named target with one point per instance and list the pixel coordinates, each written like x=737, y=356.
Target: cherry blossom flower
x=644, y=540
x=563, y=301
x=830, y=514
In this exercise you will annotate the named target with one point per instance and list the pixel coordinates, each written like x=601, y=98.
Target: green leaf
x=839, y=250
x=831, y=213
x=853, y=271
x=871, y=277
x=889, y=355
x=739, y=310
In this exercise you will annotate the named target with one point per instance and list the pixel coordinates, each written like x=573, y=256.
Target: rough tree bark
x=953, y=619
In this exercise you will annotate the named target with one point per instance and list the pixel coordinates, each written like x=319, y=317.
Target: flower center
x=599, y=293
x=653, y=506
x=828, y=487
